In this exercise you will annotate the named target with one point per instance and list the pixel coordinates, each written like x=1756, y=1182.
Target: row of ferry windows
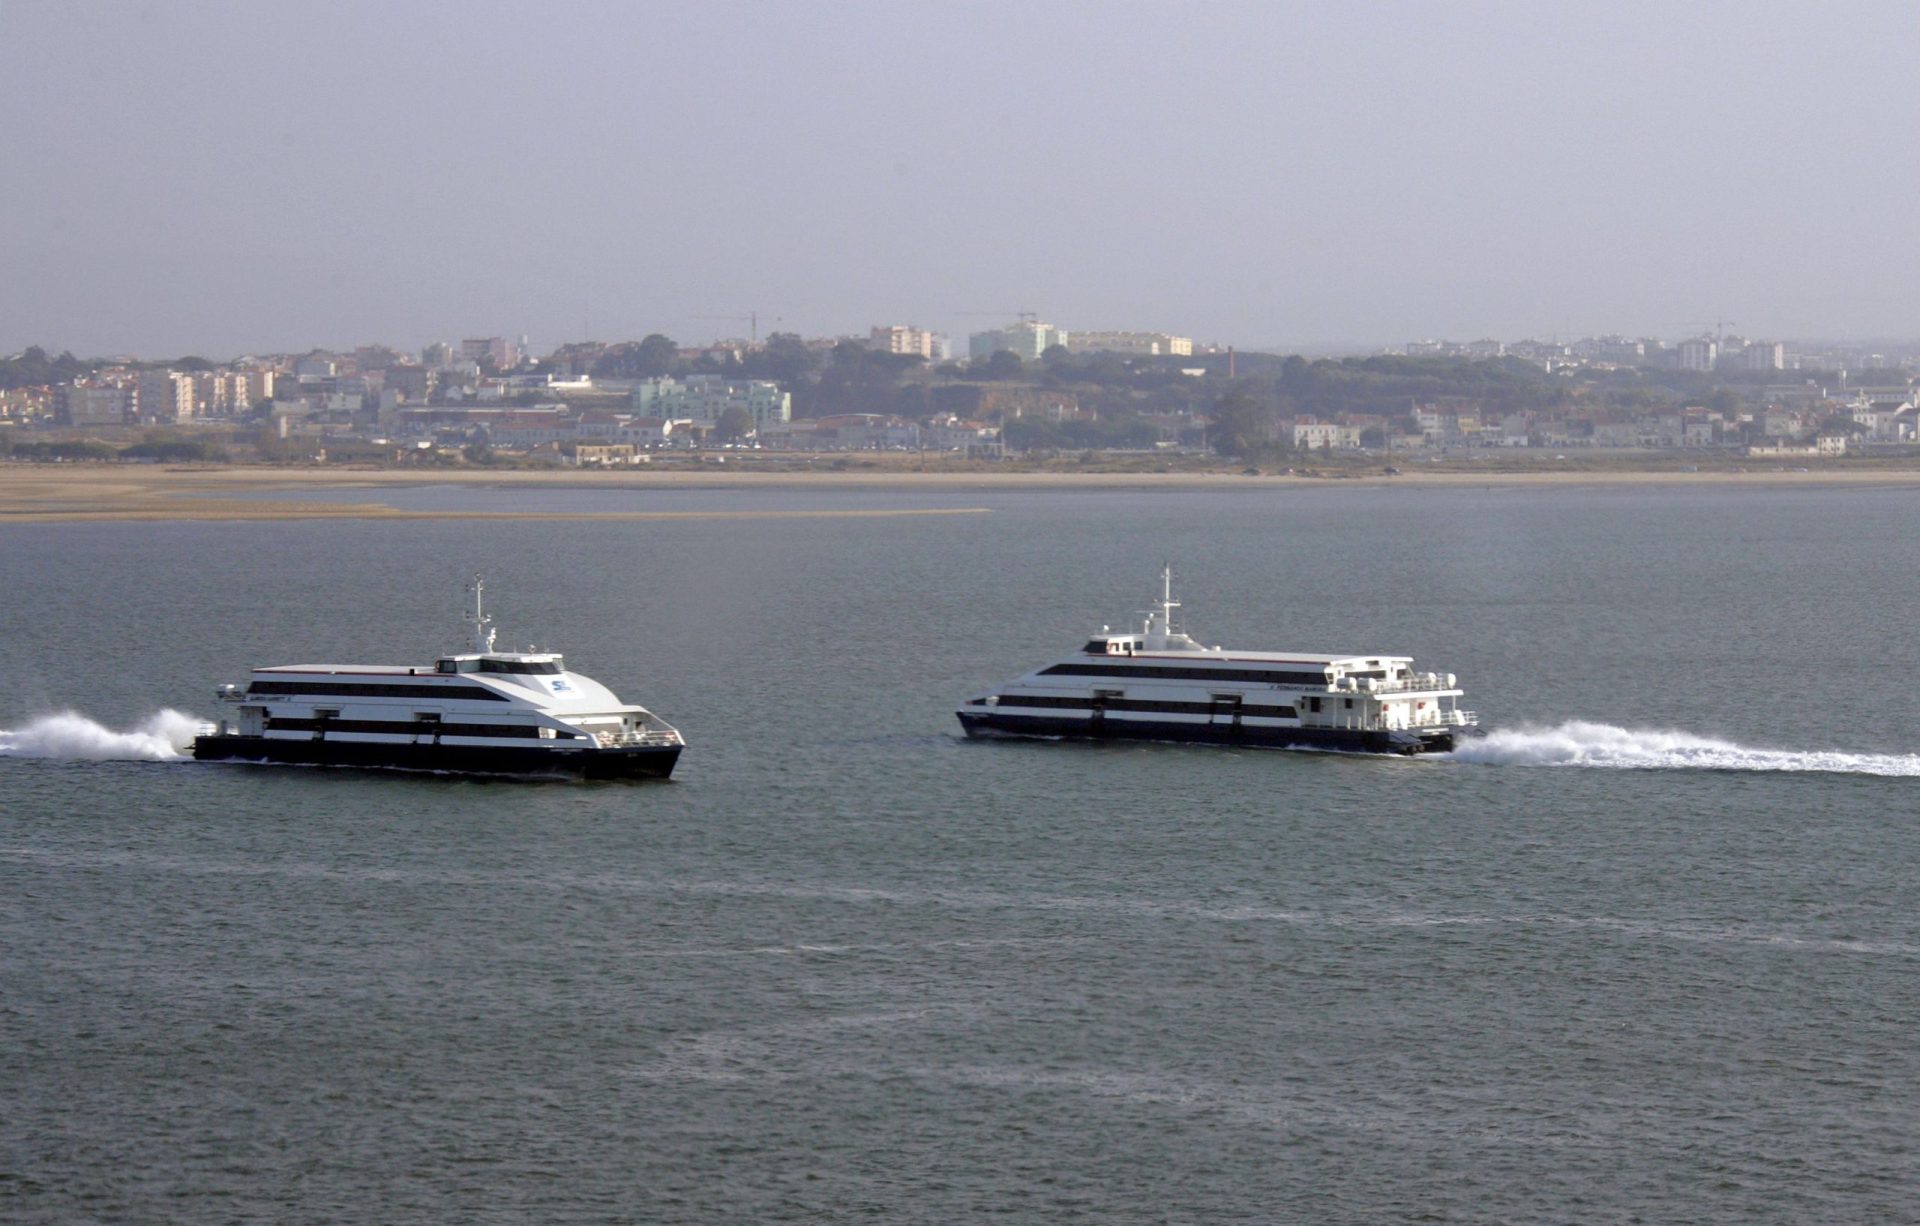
x=328, y=721
x=1157, y=672
x=539, y=667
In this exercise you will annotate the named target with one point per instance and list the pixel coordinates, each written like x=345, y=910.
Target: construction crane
x=751, y=319
x=1719, y=327
x=1023, y=315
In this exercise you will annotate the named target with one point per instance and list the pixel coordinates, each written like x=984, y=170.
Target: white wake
x=1583, y=744
x=160, y=737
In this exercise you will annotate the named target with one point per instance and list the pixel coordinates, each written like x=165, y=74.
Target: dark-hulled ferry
x=479, y=712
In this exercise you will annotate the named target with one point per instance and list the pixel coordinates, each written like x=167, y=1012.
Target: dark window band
x=405, y=727
x=1158, y=672
x=347, y=689
x=1147, y=704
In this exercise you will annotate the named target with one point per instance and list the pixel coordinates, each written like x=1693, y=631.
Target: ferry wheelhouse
x=477, y=712
x=1160, y=684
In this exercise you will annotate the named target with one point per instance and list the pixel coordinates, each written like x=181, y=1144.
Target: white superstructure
x=1159, y=683
x=480, y=710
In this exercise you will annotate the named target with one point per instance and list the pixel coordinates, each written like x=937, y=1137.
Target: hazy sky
x=227, y=177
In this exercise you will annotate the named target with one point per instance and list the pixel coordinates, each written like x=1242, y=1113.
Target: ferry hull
x=621, y=762
x=1408, y=741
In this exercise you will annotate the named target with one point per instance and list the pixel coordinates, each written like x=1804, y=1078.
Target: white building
x=1700, y=353
x=1138, y=344
x=915, y=342
x=951, y=432
x=1028, y=338
x=1314, y=435
x=1764, y=355
x=703, y=398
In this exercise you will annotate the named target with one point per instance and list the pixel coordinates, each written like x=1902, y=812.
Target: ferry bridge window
x=541, y=667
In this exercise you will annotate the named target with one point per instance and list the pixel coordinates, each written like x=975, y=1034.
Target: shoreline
x=44, y=493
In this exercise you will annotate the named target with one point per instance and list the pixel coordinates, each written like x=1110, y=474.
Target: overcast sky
x=221, y=178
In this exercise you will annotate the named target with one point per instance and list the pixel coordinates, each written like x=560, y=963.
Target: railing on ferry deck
x=1358, y=722
x=641, y=737
x=1417, y=683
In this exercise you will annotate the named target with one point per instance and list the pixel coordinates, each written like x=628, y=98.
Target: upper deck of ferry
x=535, y=663
x=1141, y=646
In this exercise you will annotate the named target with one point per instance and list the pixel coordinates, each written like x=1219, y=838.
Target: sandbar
x=43, y=493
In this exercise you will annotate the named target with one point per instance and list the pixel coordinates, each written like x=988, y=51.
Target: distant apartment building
x=315, y=366
x=164, y=396
x=412, y=384
x=1444, y=423
x=1764, y=355
x=503, y=353
x=1546, y=353
x=25, y=403
x=1029, y=338
x=1700, y=353
x=93, y=404
x=257, y=386
x=704, y=398
x=1619, y=349
x=1135, y=344
x=915, y=342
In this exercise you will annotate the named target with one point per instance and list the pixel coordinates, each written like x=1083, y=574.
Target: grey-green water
x=1649, y=955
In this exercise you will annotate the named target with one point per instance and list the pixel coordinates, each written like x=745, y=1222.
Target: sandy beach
x=41, y=493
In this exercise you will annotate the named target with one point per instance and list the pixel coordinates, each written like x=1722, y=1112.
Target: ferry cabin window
x=457, y=666
x=540, y=667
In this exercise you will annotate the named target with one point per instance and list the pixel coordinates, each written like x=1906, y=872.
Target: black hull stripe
x=1222, y=733
x=641, y=762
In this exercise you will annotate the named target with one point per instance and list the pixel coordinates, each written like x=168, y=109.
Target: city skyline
x=225, y=178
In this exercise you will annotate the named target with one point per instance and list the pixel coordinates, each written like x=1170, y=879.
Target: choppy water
x=848, y=965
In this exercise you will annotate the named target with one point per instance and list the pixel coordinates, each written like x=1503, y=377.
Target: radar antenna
x=482, y=624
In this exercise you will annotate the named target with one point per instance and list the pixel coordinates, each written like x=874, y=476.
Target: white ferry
x=480, y=712
x=1159, y=684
